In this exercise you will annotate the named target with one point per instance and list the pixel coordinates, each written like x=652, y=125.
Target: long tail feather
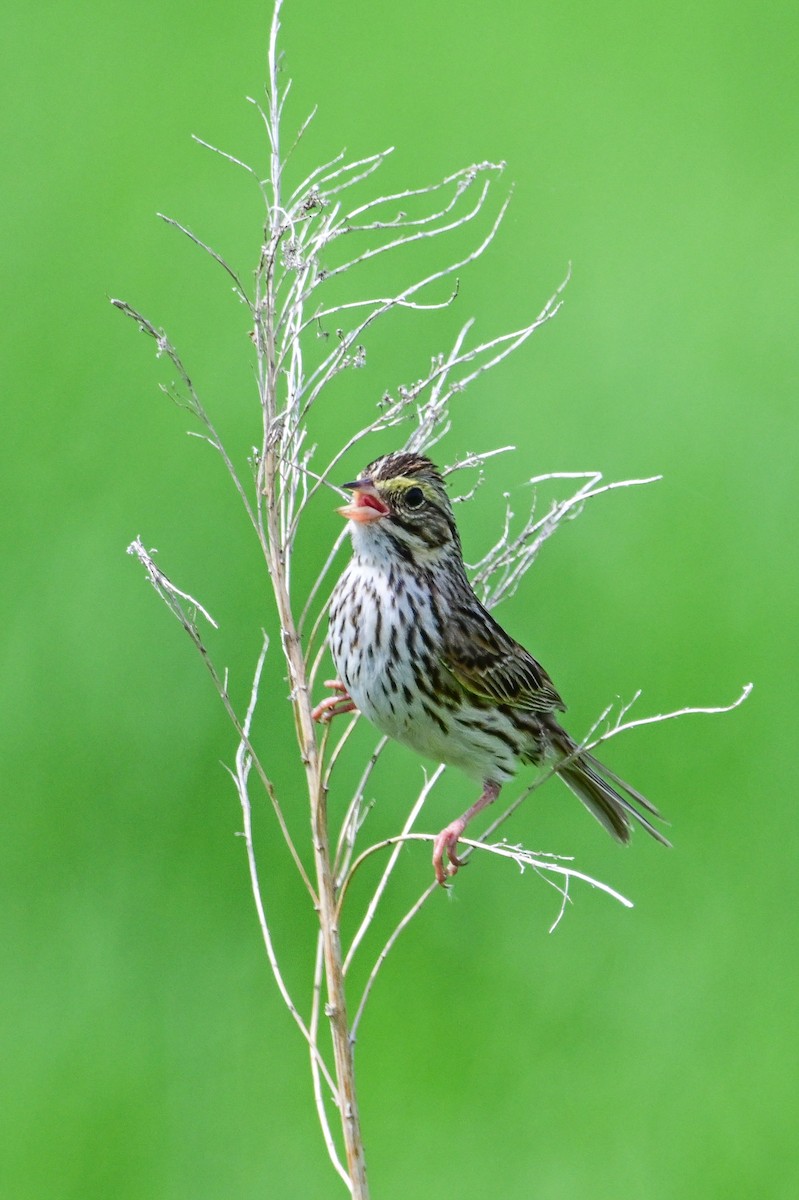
x=605, y=795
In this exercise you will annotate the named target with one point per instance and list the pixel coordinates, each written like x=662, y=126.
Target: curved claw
x=447, y=843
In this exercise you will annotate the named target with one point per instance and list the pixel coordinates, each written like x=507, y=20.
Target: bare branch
x=622, y=726
x=316, y=1068
x=238, y=285
x=222, y=154
x=191, y=401
x=354, y=817
x=175, y=599
x=473, y=460
x=384, y=953
x=541, y=864
x=324, y=229
x=244, y=761
x=498, y=574
x=392, y=862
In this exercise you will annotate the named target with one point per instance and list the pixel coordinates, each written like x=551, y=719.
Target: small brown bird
x=424, y=661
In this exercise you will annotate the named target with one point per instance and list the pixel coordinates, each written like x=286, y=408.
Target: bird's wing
x=489, y=663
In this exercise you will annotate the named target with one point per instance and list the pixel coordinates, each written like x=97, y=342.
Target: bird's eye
x=414, y=497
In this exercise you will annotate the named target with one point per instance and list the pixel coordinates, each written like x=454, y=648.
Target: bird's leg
x=333, y=706
x=447, y=840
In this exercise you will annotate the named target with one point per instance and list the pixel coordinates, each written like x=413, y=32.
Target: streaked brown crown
x=403, y=464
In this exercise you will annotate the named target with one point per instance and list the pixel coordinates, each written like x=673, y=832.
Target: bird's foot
x=447, y=844
x=447, y=840
x=334, y=706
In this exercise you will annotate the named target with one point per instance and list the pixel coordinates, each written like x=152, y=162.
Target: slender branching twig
x=304, y=335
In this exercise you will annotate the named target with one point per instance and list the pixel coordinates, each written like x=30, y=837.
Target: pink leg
x=333, y=706
x=447, y=840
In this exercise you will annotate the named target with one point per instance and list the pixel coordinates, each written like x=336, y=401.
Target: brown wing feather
x=488, y=662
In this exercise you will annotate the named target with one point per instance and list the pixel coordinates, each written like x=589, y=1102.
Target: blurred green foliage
x=648, y=1053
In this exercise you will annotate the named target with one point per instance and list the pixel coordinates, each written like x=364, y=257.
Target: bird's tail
x=612, y=801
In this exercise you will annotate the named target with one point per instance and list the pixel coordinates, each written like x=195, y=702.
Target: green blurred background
x=649, y=1053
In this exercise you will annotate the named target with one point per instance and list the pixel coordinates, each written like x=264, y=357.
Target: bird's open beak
x=366, y=503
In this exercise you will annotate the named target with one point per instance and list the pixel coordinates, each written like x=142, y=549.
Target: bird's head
x=400, y=503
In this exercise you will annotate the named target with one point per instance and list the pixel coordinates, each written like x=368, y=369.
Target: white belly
x=387, y=665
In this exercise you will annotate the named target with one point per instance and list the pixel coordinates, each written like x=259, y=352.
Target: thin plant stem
x=324, y=228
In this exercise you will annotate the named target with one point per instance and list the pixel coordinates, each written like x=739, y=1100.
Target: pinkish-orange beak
x=366, y=503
